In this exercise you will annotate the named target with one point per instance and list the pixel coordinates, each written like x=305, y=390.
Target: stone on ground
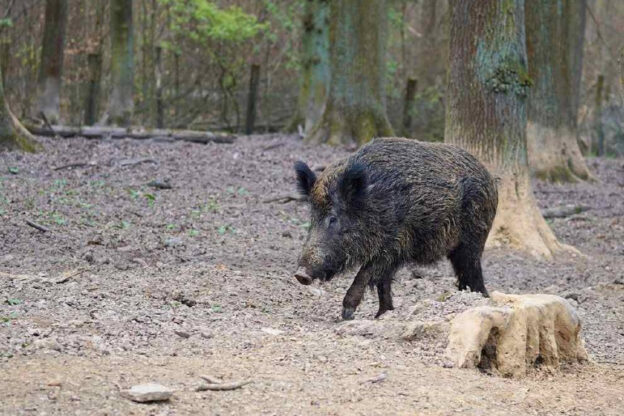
x=149, y=392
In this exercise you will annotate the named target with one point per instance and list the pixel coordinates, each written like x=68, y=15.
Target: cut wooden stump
x=130, y=133
x=516, y=334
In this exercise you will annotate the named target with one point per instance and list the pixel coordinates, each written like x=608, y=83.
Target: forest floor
x=133, y=284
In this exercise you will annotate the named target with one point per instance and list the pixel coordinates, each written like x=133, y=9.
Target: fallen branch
x=284, y=199
x=37, y=226
x=75, y=165
x=222, y=386
x=376, y=379
x=130, y=133
x=564, y=211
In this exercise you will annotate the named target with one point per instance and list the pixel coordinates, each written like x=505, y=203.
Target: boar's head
x=337, y=201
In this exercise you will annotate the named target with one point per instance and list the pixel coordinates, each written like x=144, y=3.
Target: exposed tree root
x=344, y=128
x=519, y=223
x=554, y=155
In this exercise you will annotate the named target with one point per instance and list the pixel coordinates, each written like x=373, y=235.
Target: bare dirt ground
x=136, y=284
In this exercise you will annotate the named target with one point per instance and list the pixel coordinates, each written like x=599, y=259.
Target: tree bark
x=120, y=102
x=486, y=114
x=554, y=35
x=13, y=136
x=355, y=110
x=51, y=68
x=315, y=72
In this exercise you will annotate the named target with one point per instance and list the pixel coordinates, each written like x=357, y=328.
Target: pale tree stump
x=517, y=333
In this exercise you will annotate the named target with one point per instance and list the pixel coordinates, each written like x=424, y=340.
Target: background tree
x=51, y=66
x=554, y=36
x=13, y=135
x=486, y=113
x=120, y=102
x=315, y=72
x=355, y=110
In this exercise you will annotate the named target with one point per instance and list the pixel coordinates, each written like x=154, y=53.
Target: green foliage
x=202, y=21
x=6, y=22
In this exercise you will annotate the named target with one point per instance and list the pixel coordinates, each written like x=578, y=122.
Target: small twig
x=273, y=146
x=75, y=165
x=222, y=386
x=66, y=277
x=211, y=380
x=132, y=162
x=284, y=199
x=160, y=184
x=564, y=211
x=37, y=226
x=376, y=379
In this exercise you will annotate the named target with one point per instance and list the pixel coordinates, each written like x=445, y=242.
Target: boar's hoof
x=302, y=277
x=382, y=311
x=347, y=313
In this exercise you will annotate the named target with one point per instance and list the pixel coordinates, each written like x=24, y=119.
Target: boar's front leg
x=378, y=271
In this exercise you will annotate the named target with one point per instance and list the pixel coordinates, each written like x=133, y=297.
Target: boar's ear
x=305, y=178
x=352, y=185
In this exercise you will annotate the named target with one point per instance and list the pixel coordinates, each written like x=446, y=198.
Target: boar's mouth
x=305, y=279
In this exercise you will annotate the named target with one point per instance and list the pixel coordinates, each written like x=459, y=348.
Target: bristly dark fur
x=396, y=201
x=305, y=178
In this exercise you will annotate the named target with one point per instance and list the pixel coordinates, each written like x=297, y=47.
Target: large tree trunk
x=13, y=136
x=315, y=73
x=554, y=35
x=355, y=110
x=120, y=102
x=51, y=69
x=486, y=114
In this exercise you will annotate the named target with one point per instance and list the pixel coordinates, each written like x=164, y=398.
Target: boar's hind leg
x=376, y=270
x=384, y=290
x=466, y=262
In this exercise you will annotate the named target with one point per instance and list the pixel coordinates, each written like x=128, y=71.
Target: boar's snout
x=303, y=277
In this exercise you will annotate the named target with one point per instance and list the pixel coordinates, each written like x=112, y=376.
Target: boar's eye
x=331, y=220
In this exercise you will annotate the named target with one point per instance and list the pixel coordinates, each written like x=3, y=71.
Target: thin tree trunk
x=51, y=68
x=13, y=136
x=315, y=73
x=120, y=103
x=486, y=114
x=355, y=110
x=159, y=98
x=254, y=81
x=408, y=105
x=555, y=32
x=599, y=147
x=94, y=61
x=428, y=53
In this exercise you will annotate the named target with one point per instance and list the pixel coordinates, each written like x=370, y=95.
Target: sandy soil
x=134, y=284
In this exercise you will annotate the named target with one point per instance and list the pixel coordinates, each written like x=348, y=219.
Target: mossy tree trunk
x=355, y=109
x=51, y=67
x=315, y=73
x=555, y=31
x=120, y=101
x=13, y=136
x=486, y=114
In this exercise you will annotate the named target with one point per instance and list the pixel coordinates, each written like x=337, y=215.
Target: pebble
x=150, y=392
